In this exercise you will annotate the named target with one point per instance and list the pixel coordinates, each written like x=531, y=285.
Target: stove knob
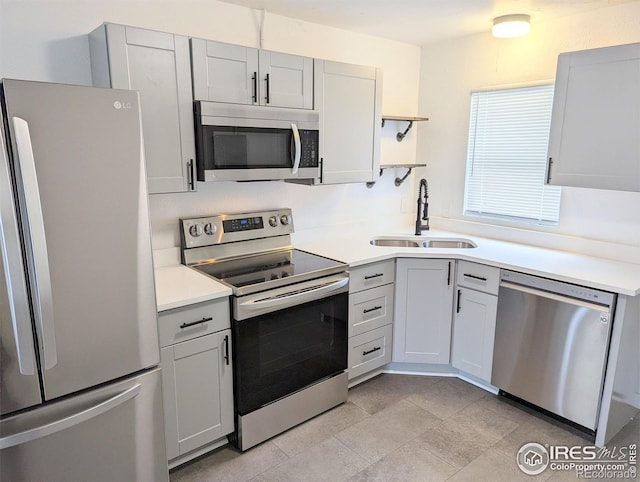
x=284, y=219
x=210, y=229
x=273, y=221
x=195, y=230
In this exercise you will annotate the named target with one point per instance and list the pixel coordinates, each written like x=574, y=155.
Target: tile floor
x=401, y=428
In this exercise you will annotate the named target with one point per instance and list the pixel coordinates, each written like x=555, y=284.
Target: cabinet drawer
x=478, y=277
x=185, y=323
x=369, y=351
x=371, y=275
x=370, y=309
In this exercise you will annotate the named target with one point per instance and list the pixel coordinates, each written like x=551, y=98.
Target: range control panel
x=228, y=228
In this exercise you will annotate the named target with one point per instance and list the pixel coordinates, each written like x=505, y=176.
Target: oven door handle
x=296, y=298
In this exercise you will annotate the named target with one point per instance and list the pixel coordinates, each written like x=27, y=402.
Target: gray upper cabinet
x=243, y=75
x=349, y=99
x=595, y=127
x=157, y=65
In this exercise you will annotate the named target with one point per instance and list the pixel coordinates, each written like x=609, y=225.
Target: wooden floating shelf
x=409, y=119
x=399, y=180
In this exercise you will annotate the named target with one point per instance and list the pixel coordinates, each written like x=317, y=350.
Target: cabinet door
x=423, y=306
x=594, y=139
x=285, y=80
x=157, y=65
x=224, y=72
x=349, y=99
x=473, y=332
x=197, y=386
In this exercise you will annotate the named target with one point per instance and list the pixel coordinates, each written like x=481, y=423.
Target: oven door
x=297, y=337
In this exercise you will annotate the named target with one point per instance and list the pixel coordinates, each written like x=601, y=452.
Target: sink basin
x=448, y=243
x=455, y=243
x=396, y=242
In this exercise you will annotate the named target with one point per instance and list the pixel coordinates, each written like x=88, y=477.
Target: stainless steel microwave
x=236, y=142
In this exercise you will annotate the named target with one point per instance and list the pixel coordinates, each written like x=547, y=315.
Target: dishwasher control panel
x=558, y=287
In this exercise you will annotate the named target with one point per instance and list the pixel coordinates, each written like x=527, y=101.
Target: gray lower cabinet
x=244, y=75
x=474, y=324
x=157, y=65
x=423, y=306
x=371, y=300
x=197, y=379
x=349, y=99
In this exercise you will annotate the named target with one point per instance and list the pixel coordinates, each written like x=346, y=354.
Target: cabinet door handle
x=479, y=278
x=192, y=181
x=369, y=310
x=193, y=323
x=548, y=180
x=254, y=79
x=375, y=348
x=449, y=275
x=458, y=302
x=371, y=276
x=226, y=349
x=267, y=97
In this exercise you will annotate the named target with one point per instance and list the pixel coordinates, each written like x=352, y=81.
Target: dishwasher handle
x=555, y=296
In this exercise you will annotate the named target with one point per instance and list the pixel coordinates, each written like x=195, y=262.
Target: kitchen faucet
x=425, y=214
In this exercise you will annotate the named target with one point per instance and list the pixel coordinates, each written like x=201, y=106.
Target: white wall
x=589, y=219
x=46, y=40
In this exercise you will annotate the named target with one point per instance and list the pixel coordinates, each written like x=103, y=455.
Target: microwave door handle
x=14, y=275
x=43, y=301
x=296, y=155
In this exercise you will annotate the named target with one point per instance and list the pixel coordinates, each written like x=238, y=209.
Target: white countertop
x=179, y=285
x=599, y=273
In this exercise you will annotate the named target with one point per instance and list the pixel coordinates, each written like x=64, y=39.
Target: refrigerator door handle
x=14, y=275
x=43, y=302
x=68, y=422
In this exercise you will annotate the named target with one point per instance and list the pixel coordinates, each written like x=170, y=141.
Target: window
x=506, y=156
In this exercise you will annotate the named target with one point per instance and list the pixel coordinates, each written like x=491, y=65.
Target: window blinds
x=506, y=156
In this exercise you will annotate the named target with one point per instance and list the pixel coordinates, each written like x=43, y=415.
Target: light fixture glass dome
x=509, y=26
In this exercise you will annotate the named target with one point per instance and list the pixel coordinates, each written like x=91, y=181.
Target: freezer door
x=77, y=152
x=19, y=384
x=111, y=434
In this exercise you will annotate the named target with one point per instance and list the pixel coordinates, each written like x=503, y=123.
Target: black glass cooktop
x=275, y=268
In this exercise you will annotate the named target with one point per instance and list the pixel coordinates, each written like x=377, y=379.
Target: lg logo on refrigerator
x=122, y=105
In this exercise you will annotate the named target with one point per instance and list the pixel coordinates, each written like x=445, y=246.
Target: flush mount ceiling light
x=509, y=26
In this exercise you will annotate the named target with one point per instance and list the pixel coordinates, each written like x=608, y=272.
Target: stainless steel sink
x=455, y=243
x=448, y=243
x=396, y=242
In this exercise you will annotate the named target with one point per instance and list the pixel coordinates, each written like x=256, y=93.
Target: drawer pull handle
x=193, y=323
x=375, y=348
x=371, y=276
x=369, y=310
x=479, y=278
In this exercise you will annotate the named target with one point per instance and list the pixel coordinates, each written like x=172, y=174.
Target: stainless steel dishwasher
x=551, y=345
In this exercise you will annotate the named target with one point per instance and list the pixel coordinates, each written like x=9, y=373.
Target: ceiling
x=420, y=21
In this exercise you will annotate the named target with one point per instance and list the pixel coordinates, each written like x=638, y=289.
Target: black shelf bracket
x=401, y=135
x=398, y=180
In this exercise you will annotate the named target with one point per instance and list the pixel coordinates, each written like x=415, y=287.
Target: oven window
x=248, y=147
x=281, y=352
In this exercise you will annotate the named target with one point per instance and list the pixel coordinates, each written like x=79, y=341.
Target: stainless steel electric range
x=289, y=326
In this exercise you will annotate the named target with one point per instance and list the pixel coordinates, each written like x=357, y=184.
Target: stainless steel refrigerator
x=80, y=391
